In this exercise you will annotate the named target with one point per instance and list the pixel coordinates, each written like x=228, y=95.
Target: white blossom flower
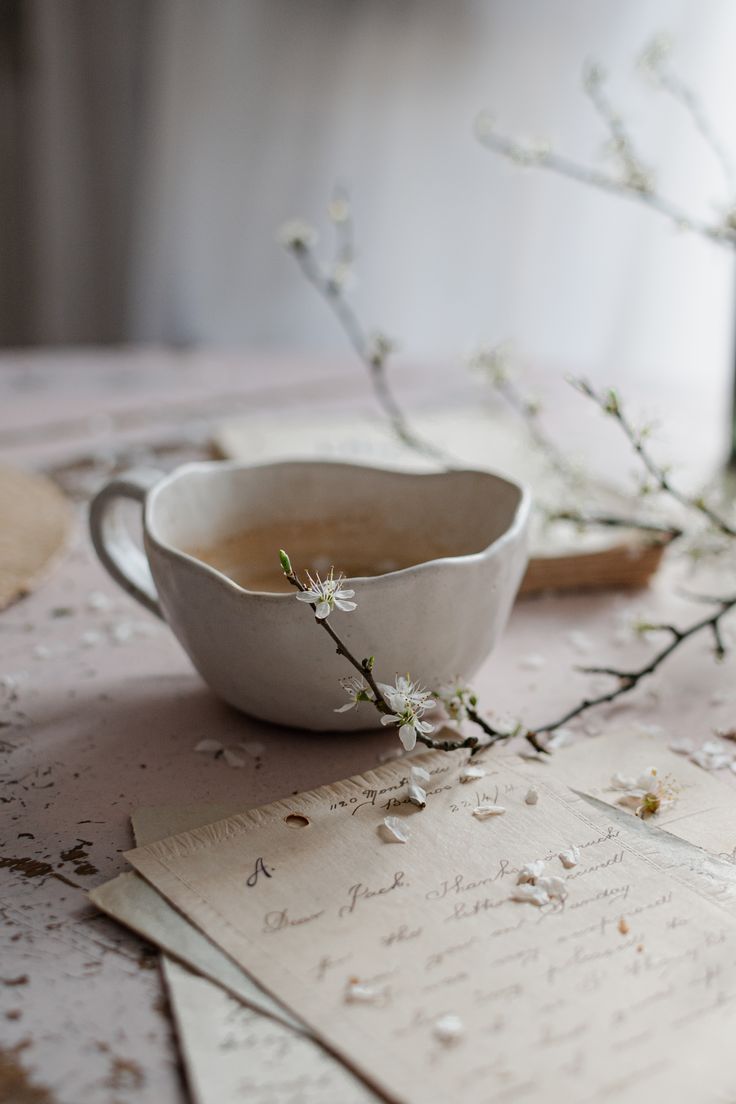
x=455, y=699
x=532, y=796
x=409, y=702
x=449, y=1028
x=395, y=829
x=482, y=812
x=327, y=594
x=357, y=690
x=647, y=794
x=570, y=857
x=296, y=234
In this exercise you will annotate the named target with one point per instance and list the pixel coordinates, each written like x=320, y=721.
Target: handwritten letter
x=415, y=965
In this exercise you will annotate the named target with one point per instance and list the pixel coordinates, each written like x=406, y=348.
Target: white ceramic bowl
x=263, y=652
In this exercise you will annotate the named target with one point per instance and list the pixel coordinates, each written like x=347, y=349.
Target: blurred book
x=564, y=555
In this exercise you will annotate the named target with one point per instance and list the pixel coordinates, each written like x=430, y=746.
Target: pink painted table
x=100, y=710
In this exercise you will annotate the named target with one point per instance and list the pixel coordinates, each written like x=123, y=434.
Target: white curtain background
x=164, y=141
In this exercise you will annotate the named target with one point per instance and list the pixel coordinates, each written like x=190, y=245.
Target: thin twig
x=628, y=680
x=528, y=410
x=636, y=175
x=655, y=61
x=667, y=532
x=611, y=405
x=495, y=736
x=554, y=162
x=373, y=353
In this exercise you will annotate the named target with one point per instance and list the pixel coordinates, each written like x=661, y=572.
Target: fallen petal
x=482, y=812
x=232, y=759
x=532, y=796
x=471, y=773
x=416, y=795
x=530, y=894
x=208, y=745
x=553, y=886
x=570, y=857
x=419, y=774
x=530, y=872
x=253, y=748
x=396, y=829
x=449, y=1028
x=358, y=992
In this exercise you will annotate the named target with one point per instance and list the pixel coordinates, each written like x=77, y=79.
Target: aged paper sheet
x=624, y=990
x=132, y=901
x=233, y=1054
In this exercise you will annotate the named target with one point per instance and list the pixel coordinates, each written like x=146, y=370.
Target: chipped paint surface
x=100, y=712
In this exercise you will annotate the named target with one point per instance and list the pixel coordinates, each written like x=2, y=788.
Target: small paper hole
x=296, y=820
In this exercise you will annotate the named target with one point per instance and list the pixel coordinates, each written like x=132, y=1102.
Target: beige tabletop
x=100, y=710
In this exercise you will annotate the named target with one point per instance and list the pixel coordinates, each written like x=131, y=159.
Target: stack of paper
x=333, y=963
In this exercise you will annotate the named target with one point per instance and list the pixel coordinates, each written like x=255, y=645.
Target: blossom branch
x=635, y=174
x=492, y=362
x=373, y=350
x=629, y=680
x=610, y=404
x=655, y=63
x=667, y=532
x=543, y=158
x=365, y=668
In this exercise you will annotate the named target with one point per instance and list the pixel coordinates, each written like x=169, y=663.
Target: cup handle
x=117, y=551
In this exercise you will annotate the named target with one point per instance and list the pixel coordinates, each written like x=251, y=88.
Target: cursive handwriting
x=458, y=884
x=401, y=935
x=279, y=919
x=260, y=868
x=360, y=892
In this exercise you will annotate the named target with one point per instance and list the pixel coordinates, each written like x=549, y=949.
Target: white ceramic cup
x=263, y=652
